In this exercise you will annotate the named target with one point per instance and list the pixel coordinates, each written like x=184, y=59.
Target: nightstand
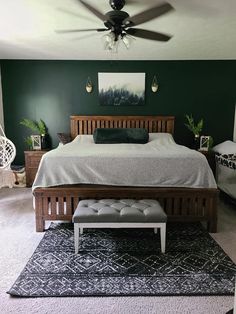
x=32, y=160
x=210, y=156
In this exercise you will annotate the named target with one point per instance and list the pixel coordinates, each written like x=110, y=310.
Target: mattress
x=159, y=163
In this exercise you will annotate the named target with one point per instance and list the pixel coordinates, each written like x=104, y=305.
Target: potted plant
x=38, y=127
x=29, y=142
x=195, y=128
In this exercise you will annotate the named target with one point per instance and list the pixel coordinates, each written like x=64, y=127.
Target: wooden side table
x=210, y=156
x=32, y=160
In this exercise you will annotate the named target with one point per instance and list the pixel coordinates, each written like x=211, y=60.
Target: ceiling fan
x=121, y=26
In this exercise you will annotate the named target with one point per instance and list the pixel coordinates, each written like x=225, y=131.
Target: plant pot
x=44, y=142
x=196, y=142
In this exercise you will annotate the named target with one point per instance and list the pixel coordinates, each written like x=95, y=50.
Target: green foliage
x=195, y=128
x=30, y=124
x=29, y=142
x=39, y=127
x=42, y=127
x=211, y=143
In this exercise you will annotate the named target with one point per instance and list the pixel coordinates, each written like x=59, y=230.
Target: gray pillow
x=120, y=135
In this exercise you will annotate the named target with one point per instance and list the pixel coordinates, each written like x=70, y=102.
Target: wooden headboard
x=87, y=124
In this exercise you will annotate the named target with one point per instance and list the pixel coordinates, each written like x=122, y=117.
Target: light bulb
x=126, y=41
x=154, y=84
x=89, y=85
x=109, y=42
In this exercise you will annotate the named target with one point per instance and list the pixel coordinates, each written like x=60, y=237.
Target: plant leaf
x=30, y=124
x=196, y=129
x=42, y=127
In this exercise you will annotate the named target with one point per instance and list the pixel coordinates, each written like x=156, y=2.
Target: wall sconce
x=154, y=84
x=89, y=85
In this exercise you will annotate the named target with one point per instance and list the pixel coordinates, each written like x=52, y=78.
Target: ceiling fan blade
x=77, y=15
x=143, y=33
x=132, y=1
x=81, y=30
x=148, y=15
x=100, y=15
x=84, y=36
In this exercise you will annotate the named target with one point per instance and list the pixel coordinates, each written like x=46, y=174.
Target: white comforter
x=160, y=162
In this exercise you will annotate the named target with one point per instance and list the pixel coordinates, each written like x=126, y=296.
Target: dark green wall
x=54, y=90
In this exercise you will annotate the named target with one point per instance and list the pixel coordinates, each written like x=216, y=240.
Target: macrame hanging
x=7, y=151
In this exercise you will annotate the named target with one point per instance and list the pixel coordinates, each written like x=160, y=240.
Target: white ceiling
x=201, y=29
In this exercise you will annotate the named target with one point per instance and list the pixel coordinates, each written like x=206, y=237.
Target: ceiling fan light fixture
x=110, y=37
x=111, y=42
x=127, y=40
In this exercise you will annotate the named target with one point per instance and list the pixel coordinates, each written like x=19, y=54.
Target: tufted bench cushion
x=122, y=210
x=119, y=213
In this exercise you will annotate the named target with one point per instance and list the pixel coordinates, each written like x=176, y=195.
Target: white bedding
x=227, y=147
x=226, y=176
x=159, y=163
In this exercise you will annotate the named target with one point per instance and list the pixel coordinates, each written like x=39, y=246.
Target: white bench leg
x=76, y=237
x=163, y=237
x=79, y=231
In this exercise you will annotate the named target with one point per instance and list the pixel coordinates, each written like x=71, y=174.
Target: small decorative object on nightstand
x=204, y=142
x=32, y=160
x=36, y=142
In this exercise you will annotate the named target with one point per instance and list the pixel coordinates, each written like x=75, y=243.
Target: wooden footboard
x=180, y=204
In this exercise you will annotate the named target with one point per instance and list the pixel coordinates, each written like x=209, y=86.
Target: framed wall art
x=121, y=89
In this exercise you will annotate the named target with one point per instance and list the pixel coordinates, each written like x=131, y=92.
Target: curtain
x=1, y=104
x=234, y=138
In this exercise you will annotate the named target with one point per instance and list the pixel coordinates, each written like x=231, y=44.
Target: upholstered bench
x=119, y=213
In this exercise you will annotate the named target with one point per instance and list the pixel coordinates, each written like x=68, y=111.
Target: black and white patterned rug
x=125, y=262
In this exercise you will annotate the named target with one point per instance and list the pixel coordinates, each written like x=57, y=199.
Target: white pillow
x=83, y=139
x=166, y=137
x=227, y=147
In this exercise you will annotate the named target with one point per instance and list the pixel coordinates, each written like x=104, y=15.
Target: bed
x=179, y=202
x=226, y=168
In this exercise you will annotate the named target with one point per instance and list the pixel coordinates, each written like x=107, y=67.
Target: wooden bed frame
x=180, y=204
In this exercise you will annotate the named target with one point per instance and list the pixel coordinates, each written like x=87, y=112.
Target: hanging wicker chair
x=7, y=151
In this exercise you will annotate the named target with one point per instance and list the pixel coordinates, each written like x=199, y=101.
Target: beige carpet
x=18, y=241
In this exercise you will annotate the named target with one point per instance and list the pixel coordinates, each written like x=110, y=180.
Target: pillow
x=227, y=147
x=228, y=160
x=119, y=135
x=64, y=138
x=161, y=136
x=84, y=139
